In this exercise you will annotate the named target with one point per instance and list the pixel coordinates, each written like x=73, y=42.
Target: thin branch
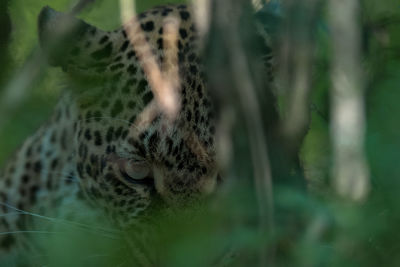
x=163, y=83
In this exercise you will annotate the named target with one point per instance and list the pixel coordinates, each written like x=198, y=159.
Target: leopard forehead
x=112, y=95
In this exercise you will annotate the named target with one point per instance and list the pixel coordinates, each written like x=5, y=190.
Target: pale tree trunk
x=350, y=172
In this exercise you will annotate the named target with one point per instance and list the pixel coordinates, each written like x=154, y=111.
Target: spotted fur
x=78, y=153
x=98, y=129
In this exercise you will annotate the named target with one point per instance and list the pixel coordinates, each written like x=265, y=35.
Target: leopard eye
x=136, y=172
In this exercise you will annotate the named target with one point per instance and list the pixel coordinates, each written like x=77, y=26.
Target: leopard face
x=129, y=153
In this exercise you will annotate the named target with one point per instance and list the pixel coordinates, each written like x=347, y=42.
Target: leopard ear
x=67, y=40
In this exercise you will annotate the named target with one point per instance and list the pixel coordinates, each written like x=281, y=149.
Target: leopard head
x=129, y=151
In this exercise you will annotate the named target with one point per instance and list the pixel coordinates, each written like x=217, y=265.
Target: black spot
x=192, y=168
x=117, y=108
x=132, y=69
x=53, y=138
x=184, y=15
x=118, y=191
x=70, y=178
x=170, y=143
x=199, y=91
x=104, y=39
x=168, y=164
x=160, y=31
x=102, y=53
x=124, y=46
x=153, y=141
x=118, y=132
x=147, y=98
x=143, y=135
x=33, y=192
x=210, y=140
x=131, y=54
x=97, y=138
x=188, y=115
x=27, y=165
x=148, y=26
x=180, y=166
x=29, y=151
x=166, y=11
x=93, y=159
x=25, y=178
x=125, y=134
x=193, y=69
x=141, y=86
x=160, y=43
x=183, y=33
x=88, y=170
x=88, y=135
x=37, y=167
x=196, y=117
x=184, y=102
x=109, y=135
x=54, y=164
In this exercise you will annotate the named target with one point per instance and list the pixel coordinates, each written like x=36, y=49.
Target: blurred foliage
x=316, y=229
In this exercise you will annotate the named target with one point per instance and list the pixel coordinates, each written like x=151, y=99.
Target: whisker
x=67, y=222
x=30, y=232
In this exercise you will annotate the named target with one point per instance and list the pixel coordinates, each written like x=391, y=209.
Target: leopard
x=111, y=144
